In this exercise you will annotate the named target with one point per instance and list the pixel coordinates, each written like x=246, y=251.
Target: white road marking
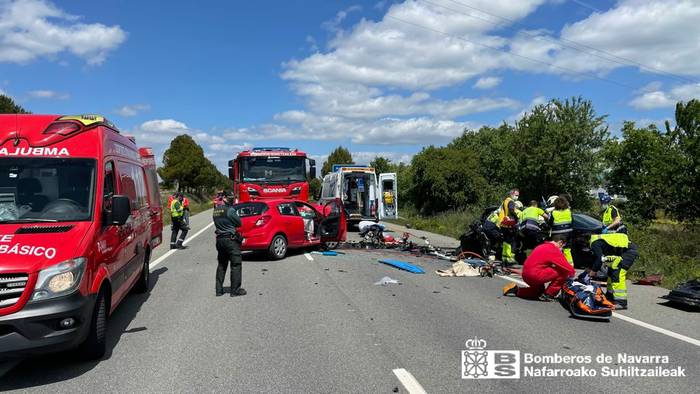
x=409, y=382
x=628, y=319
x=308, y=257
x=171, y=251
x=660, y=330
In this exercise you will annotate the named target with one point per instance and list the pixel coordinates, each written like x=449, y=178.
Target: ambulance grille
x=11, y=288
x=43, y=229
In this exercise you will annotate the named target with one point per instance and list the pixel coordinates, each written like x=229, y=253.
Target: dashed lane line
x=409, y=382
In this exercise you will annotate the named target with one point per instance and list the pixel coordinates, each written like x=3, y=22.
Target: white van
x=363, y=197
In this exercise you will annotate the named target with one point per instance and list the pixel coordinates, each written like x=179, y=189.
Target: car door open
x=334, y=224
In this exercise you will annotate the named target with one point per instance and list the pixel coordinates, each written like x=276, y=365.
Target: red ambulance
x=80, y=214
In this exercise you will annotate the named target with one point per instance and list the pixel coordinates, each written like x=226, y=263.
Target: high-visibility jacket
x=493, y=217
x=615, y=245
x=171, y=198
x=609, y=215
x=561, y=221
x=177, y=209
x=531, y=217
x=506, y=216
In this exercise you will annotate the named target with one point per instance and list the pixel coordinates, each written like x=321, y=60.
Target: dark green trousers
x=229, y=251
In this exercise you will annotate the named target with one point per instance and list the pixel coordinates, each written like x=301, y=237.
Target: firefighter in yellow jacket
x=618, y=254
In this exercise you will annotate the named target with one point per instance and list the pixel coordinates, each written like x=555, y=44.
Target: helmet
x=605, y=199
x=388, y=239
x=518, y=205
x=550, y=200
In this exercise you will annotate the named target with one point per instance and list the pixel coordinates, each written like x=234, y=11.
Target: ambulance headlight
x=60, y=279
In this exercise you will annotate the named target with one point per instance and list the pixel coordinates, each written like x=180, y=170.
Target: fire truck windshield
x=46, y=189
x=273, y=169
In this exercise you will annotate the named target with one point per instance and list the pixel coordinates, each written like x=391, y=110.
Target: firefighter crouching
x=228, y=247
x=618, y=254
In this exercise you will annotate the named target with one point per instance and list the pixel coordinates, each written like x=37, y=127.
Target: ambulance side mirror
x=121, y=209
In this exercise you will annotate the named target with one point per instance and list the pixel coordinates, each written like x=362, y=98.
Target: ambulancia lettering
x=40, y=151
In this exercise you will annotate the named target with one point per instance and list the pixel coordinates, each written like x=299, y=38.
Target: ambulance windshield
x=46, y=190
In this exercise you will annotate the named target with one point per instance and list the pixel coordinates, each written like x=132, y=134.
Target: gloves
x=605, y=230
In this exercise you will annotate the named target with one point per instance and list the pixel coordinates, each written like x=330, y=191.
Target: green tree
x=685, y=140
x=556, y=149
x=184, y=162
x=314, y=188
x=641, y=166
x=8, y=106
x=446, y=178
x=381, y=165
x=339, y=156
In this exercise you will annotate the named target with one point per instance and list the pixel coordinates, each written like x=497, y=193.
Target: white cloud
x=48, y=95
x=653, y=96
x=30, y=29
x=487, y=82
x=661, y=35
x=333, y=25
x=539, y=100
x=132, y=110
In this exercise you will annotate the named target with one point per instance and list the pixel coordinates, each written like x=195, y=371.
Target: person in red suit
x=547, y=263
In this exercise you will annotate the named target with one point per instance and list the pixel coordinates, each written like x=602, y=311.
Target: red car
x=276, y=226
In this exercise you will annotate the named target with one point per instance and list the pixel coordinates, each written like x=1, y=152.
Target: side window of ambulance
x=108, y=189
x=127, y=184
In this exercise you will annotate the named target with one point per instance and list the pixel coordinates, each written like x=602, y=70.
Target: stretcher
x=585, y=300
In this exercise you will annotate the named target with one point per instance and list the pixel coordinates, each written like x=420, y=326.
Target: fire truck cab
x=271, y=173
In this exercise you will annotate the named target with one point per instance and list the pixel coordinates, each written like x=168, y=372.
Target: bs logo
x=478, y=363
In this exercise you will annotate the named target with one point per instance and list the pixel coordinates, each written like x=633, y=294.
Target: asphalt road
x=318, y=324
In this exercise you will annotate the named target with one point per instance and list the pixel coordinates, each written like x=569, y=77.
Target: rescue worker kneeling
x=618, y=254
x=547, y=263
x=228, y=247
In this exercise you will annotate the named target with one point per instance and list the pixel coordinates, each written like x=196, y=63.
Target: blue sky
x=379, y=77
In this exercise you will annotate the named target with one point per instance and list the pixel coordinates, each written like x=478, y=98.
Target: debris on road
x=403, y=265
x=650, y=280
x=687, y=294
x=327, y=253
x=386, y=281
x=460, y=268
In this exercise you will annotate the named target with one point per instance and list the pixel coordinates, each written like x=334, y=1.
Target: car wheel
x=278, y=247
x=143, y=283
x=95, y=344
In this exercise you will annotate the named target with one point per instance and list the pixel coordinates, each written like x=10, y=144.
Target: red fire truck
x=271, y=173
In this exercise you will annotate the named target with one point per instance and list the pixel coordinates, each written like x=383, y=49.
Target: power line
x=572, y=44
x=586, y=5
x=513, y=54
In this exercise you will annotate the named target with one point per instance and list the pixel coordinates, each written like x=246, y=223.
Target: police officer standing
x=228, y=246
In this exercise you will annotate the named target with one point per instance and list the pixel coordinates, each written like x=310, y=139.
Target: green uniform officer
x=618, y=253
x=228, y=247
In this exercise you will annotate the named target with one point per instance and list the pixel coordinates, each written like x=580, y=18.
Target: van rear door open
x=388, y=202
